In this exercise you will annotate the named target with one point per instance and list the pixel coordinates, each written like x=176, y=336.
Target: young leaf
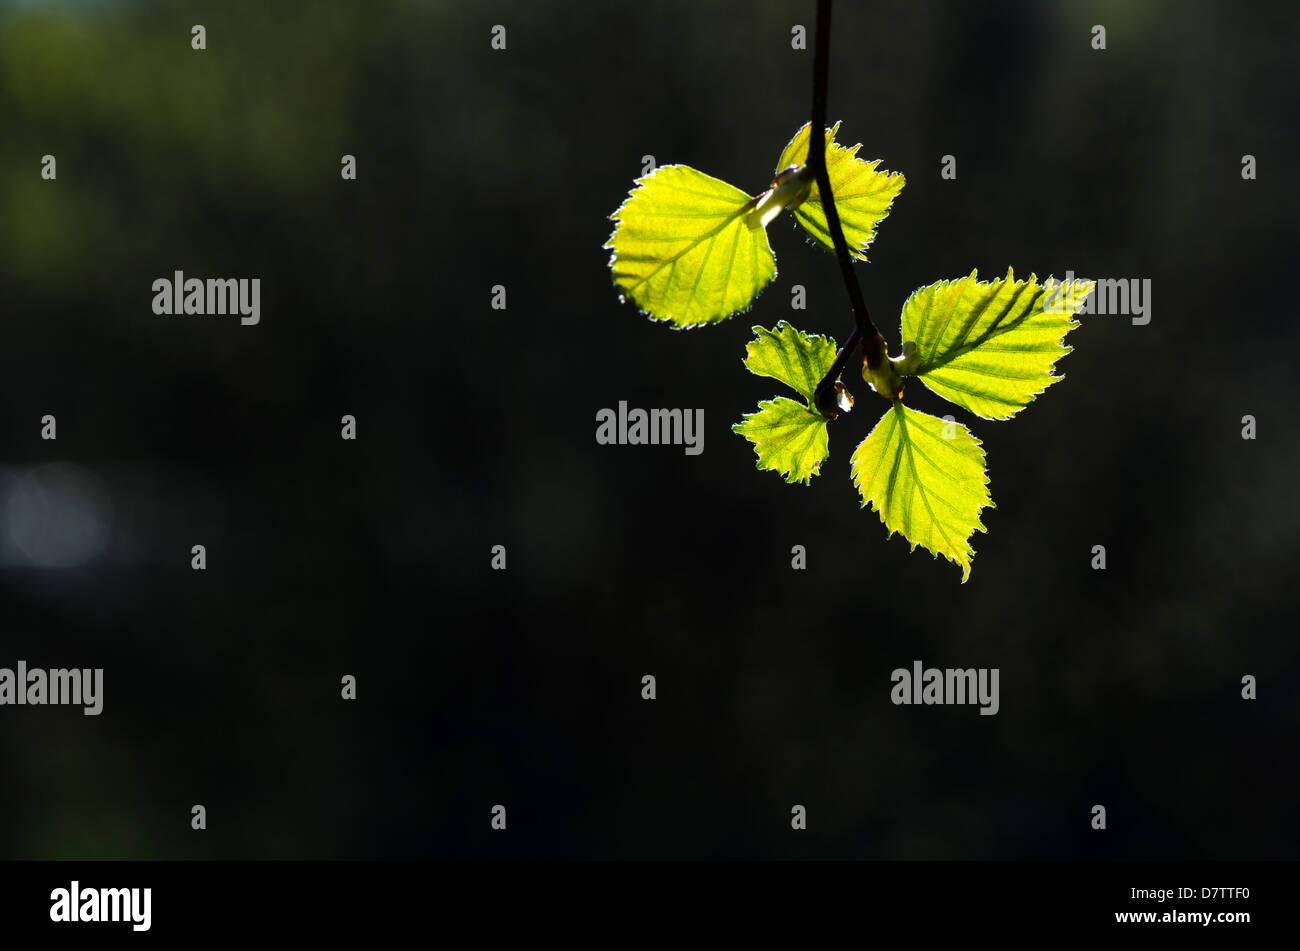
x=990, y=347
x=926, y=478
x=789, y=437
x=862, y=194
x=685, y=250
x=797, y=359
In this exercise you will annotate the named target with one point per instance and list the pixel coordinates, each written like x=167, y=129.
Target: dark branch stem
x=850, y=347
x=865, y=332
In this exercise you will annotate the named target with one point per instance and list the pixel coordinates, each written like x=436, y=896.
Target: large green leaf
x=862, y=194
x=926, y=478
x=685, y=249
x=990, y=347
x=789, y=437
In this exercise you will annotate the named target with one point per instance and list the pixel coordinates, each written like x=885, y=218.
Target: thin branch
x=865, y=332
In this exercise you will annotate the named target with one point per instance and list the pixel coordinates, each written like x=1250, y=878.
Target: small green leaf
x=797, y=359
x=862, y=194
x=926, y=478
x=789, y=438
x=685, y=249
x=990, y=347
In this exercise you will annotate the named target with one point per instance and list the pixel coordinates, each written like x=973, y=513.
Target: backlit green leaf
x=685, y=248
x=789, y=438
x=862, y=194
x=990, y=347
x=926, y=478
x=797, y=359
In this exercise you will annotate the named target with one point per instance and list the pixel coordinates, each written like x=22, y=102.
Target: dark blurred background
x=476, y=427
